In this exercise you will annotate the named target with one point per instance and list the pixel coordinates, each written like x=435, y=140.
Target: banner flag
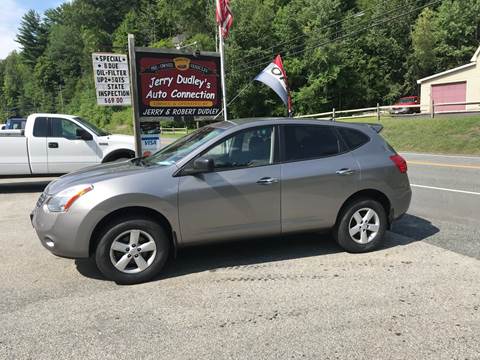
x=275, y=77
x=224, y=16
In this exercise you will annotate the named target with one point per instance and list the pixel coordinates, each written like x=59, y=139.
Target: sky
x=11, y=12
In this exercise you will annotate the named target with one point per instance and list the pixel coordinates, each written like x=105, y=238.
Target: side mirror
x=83, y=134
x=203, y=165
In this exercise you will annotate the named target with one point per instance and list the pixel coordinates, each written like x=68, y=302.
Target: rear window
x=353, y=138
x=40, y=128
x=304, y=142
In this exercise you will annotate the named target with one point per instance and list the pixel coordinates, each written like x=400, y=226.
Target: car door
x=318, y=175
x=37, y=146
x=241, y=197
x=67, y=150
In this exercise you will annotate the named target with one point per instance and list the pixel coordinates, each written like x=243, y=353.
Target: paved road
x=299, y=297
x=446, y=193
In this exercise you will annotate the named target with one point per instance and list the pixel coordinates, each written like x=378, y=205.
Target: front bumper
x=400, y=111
x=60, y=233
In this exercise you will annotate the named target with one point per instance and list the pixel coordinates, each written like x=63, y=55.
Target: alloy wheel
x=364, y=225
x=133, y=251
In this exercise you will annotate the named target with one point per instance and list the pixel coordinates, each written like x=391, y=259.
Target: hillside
x=342, y=54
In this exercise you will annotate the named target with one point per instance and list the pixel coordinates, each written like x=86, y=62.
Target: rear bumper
x=400, y=204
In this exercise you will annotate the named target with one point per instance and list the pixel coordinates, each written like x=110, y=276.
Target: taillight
x=400, y=163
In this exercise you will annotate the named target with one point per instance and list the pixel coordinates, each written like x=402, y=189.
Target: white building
x=461, y=84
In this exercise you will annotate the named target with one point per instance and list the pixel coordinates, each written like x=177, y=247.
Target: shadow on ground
x=23, y=187
x=414, y=227
x=255, y=251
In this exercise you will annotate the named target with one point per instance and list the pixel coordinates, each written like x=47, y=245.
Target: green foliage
x=337, y=53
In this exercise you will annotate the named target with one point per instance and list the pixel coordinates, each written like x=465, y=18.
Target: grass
x=442, y=135
x=128, y=130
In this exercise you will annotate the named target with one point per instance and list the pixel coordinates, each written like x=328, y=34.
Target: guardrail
x=434, y=106
x=370, y=111
x=173, y=130
x=378, y=110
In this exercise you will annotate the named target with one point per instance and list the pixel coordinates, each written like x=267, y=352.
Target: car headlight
x=62, y=201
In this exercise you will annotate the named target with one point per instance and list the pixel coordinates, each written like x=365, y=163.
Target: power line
x=336, y=39
x=234, y=98
x=304, y=35
x=262, y=61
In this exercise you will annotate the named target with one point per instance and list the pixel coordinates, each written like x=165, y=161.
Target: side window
x=64, y=128
x=304, y=142
x=253, y=147
x=40, y=127
x=353, y=138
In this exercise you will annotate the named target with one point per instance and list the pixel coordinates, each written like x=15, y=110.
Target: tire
x=367, y=235
x=129, y=235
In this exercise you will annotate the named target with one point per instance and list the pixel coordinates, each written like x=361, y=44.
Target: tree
x=337, y=53
x=457, y=25
x=32, y=36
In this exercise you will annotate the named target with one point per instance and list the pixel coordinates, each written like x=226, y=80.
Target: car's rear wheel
x=132, y=251
x=361, y=226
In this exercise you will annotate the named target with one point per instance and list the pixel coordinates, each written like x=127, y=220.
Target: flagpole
x=222, y=69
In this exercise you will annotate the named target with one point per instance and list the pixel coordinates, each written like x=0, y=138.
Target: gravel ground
x=296, y=297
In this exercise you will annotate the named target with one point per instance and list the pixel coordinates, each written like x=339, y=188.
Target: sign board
x=150, y=135
x=112, y=81
x=172, y=84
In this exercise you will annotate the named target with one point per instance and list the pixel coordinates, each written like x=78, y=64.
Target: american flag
x=224, y=16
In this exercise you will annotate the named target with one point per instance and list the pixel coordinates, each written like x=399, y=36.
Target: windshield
x=183, y=146
x=406, y=100
x=91, y=127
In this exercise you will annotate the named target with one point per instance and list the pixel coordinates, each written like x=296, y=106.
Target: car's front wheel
x=361, y=226
x=132, y=251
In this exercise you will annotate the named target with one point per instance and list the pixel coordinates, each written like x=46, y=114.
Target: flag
x=274, y=76
x=224, y=16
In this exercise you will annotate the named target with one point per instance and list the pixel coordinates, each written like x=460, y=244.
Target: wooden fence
x=378, y=110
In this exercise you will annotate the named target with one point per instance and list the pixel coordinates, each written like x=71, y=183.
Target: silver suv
x=229, y=180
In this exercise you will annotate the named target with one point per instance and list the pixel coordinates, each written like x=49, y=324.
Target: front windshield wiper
x=139, y=161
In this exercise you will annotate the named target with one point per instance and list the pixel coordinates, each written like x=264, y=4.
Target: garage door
x=448, y=93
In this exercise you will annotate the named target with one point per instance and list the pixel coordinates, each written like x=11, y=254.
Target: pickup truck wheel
x=132, y=251
x=361, y=226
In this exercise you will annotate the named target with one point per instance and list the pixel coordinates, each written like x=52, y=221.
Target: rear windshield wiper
x=376, y=127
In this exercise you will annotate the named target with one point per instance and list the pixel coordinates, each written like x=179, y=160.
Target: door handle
x=345, y=171
x=53, y=145
x=267, y=181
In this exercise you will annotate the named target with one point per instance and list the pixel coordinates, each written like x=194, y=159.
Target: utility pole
x=61, y=97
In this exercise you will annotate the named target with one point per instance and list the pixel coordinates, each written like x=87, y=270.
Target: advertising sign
x=112, y=81
x=150, y=134
x=176, y=84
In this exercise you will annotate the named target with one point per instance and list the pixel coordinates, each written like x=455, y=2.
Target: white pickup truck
x=57, y=144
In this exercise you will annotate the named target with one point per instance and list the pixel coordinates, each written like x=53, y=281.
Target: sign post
x=134, y=87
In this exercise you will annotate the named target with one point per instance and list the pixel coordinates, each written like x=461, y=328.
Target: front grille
x=41, y=200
